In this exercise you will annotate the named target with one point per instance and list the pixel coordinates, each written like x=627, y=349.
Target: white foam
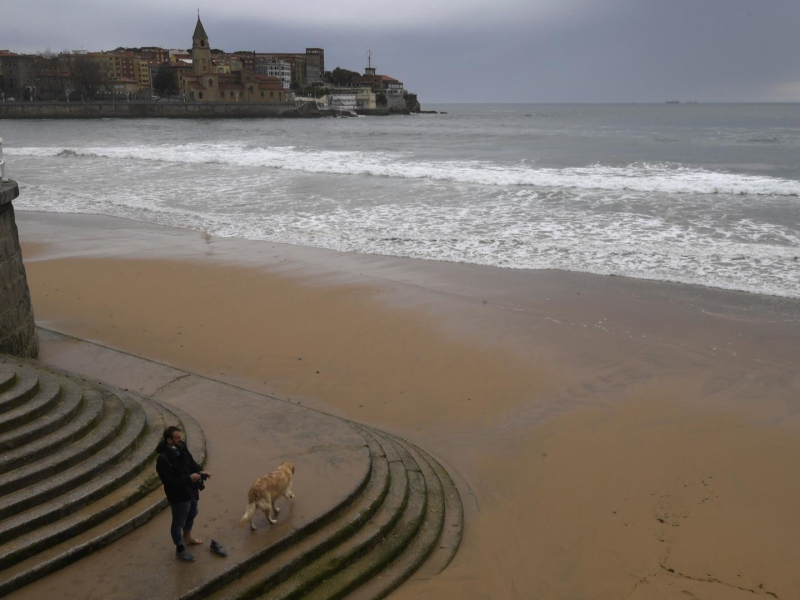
x=638, y=177
x=724, y=240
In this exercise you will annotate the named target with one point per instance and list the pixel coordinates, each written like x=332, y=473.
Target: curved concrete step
x=355, y=560
x=20, y=387
x=27, y=433
x=8, y=377
x=453, y=525
x=60, y=459
x=378, y=527
x=377, y=553
x=81, y=411
x=38, y=553
x=62, y=482
x=52, y=557
x=424, y=542
x=33, y=542
x=47, y=394
x=262, y=571
x=99, y=476
x=300, y=546
x=400, y=516
x=347, y=579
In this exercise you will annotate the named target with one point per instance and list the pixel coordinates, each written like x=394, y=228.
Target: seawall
x=150, y=110
x=17, y=327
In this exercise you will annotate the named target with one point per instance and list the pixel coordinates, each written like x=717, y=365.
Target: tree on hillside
x=340, y=77
x=47, y=54
x=50, y=77
x=87, y=76
x=164, y=83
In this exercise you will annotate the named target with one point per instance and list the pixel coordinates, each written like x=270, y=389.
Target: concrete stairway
x=407, y=515
x=77, y=472
x=76, y=467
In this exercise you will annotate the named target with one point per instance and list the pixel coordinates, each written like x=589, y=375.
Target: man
x=180, y=475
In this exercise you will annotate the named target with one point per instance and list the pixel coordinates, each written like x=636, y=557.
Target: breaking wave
x=636, y=177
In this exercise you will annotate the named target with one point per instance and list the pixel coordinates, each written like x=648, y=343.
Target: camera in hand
x=201, y=483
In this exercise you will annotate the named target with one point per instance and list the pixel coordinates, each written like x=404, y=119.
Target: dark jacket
x=175, y=468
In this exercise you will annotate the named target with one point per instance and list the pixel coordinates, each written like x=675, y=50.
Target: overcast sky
x=469, y=50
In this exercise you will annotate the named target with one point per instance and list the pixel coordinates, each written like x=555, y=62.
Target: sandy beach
x=619, y=438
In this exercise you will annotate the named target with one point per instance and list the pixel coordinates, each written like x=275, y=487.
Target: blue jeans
x=183, y=514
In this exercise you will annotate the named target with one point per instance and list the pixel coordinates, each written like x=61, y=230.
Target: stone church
x=206, y=85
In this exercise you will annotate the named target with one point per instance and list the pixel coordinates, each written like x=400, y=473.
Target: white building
x=338, y=101
x=275, y=67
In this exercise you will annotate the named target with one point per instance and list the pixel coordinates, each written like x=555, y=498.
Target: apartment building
x=141, y=73
x=306, y=68
x=19, y=75
x=275, y=67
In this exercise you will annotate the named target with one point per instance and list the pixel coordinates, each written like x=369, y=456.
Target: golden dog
x=265, y=491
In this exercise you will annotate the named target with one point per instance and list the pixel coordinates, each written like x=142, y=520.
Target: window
x=252, y=89
x=271, y=94
x=222, y=93
x=262, y=93
x=200, y=94
x=210, y=83
x=202, y=43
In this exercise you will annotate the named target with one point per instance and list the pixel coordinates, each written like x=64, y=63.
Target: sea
x=705, y=194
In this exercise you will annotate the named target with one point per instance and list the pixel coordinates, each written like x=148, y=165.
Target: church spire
x=199, y=31
x=201, y=50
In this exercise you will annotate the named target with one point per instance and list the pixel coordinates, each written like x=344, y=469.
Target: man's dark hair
x=169, y=431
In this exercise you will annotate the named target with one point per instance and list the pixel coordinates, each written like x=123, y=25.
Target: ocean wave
x=68, y=153
x=525, y=233
x=637, y=177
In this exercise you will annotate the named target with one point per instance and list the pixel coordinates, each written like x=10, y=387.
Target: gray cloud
x=475, y=50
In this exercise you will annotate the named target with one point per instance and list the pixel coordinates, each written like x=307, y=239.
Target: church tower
x=201, y=51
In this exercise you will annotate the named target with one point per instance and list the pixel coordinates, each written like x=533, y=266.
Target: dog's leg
x=288, y=492
x=271, y=512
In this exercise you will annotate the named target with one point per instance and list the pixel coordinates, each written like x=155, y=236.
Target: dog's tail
x=248, y=514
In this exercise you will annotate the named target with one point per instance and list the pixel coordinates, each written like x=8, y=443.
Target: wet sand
x=621, y=438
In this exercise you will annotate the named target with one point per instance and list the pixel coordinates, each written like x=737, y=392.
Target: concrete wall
x=149, y=110
x=17, y=328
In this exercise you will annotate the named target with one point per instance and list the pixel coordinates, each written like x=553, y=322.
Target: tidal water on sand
x=694, y=193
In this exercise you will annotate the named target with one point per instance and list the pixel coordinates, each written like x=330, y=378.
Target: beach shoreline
x=629, y=438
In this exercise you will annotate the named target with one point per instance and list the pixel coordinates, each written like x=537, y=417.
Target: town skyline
x=511, y=51
x=296, y=82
